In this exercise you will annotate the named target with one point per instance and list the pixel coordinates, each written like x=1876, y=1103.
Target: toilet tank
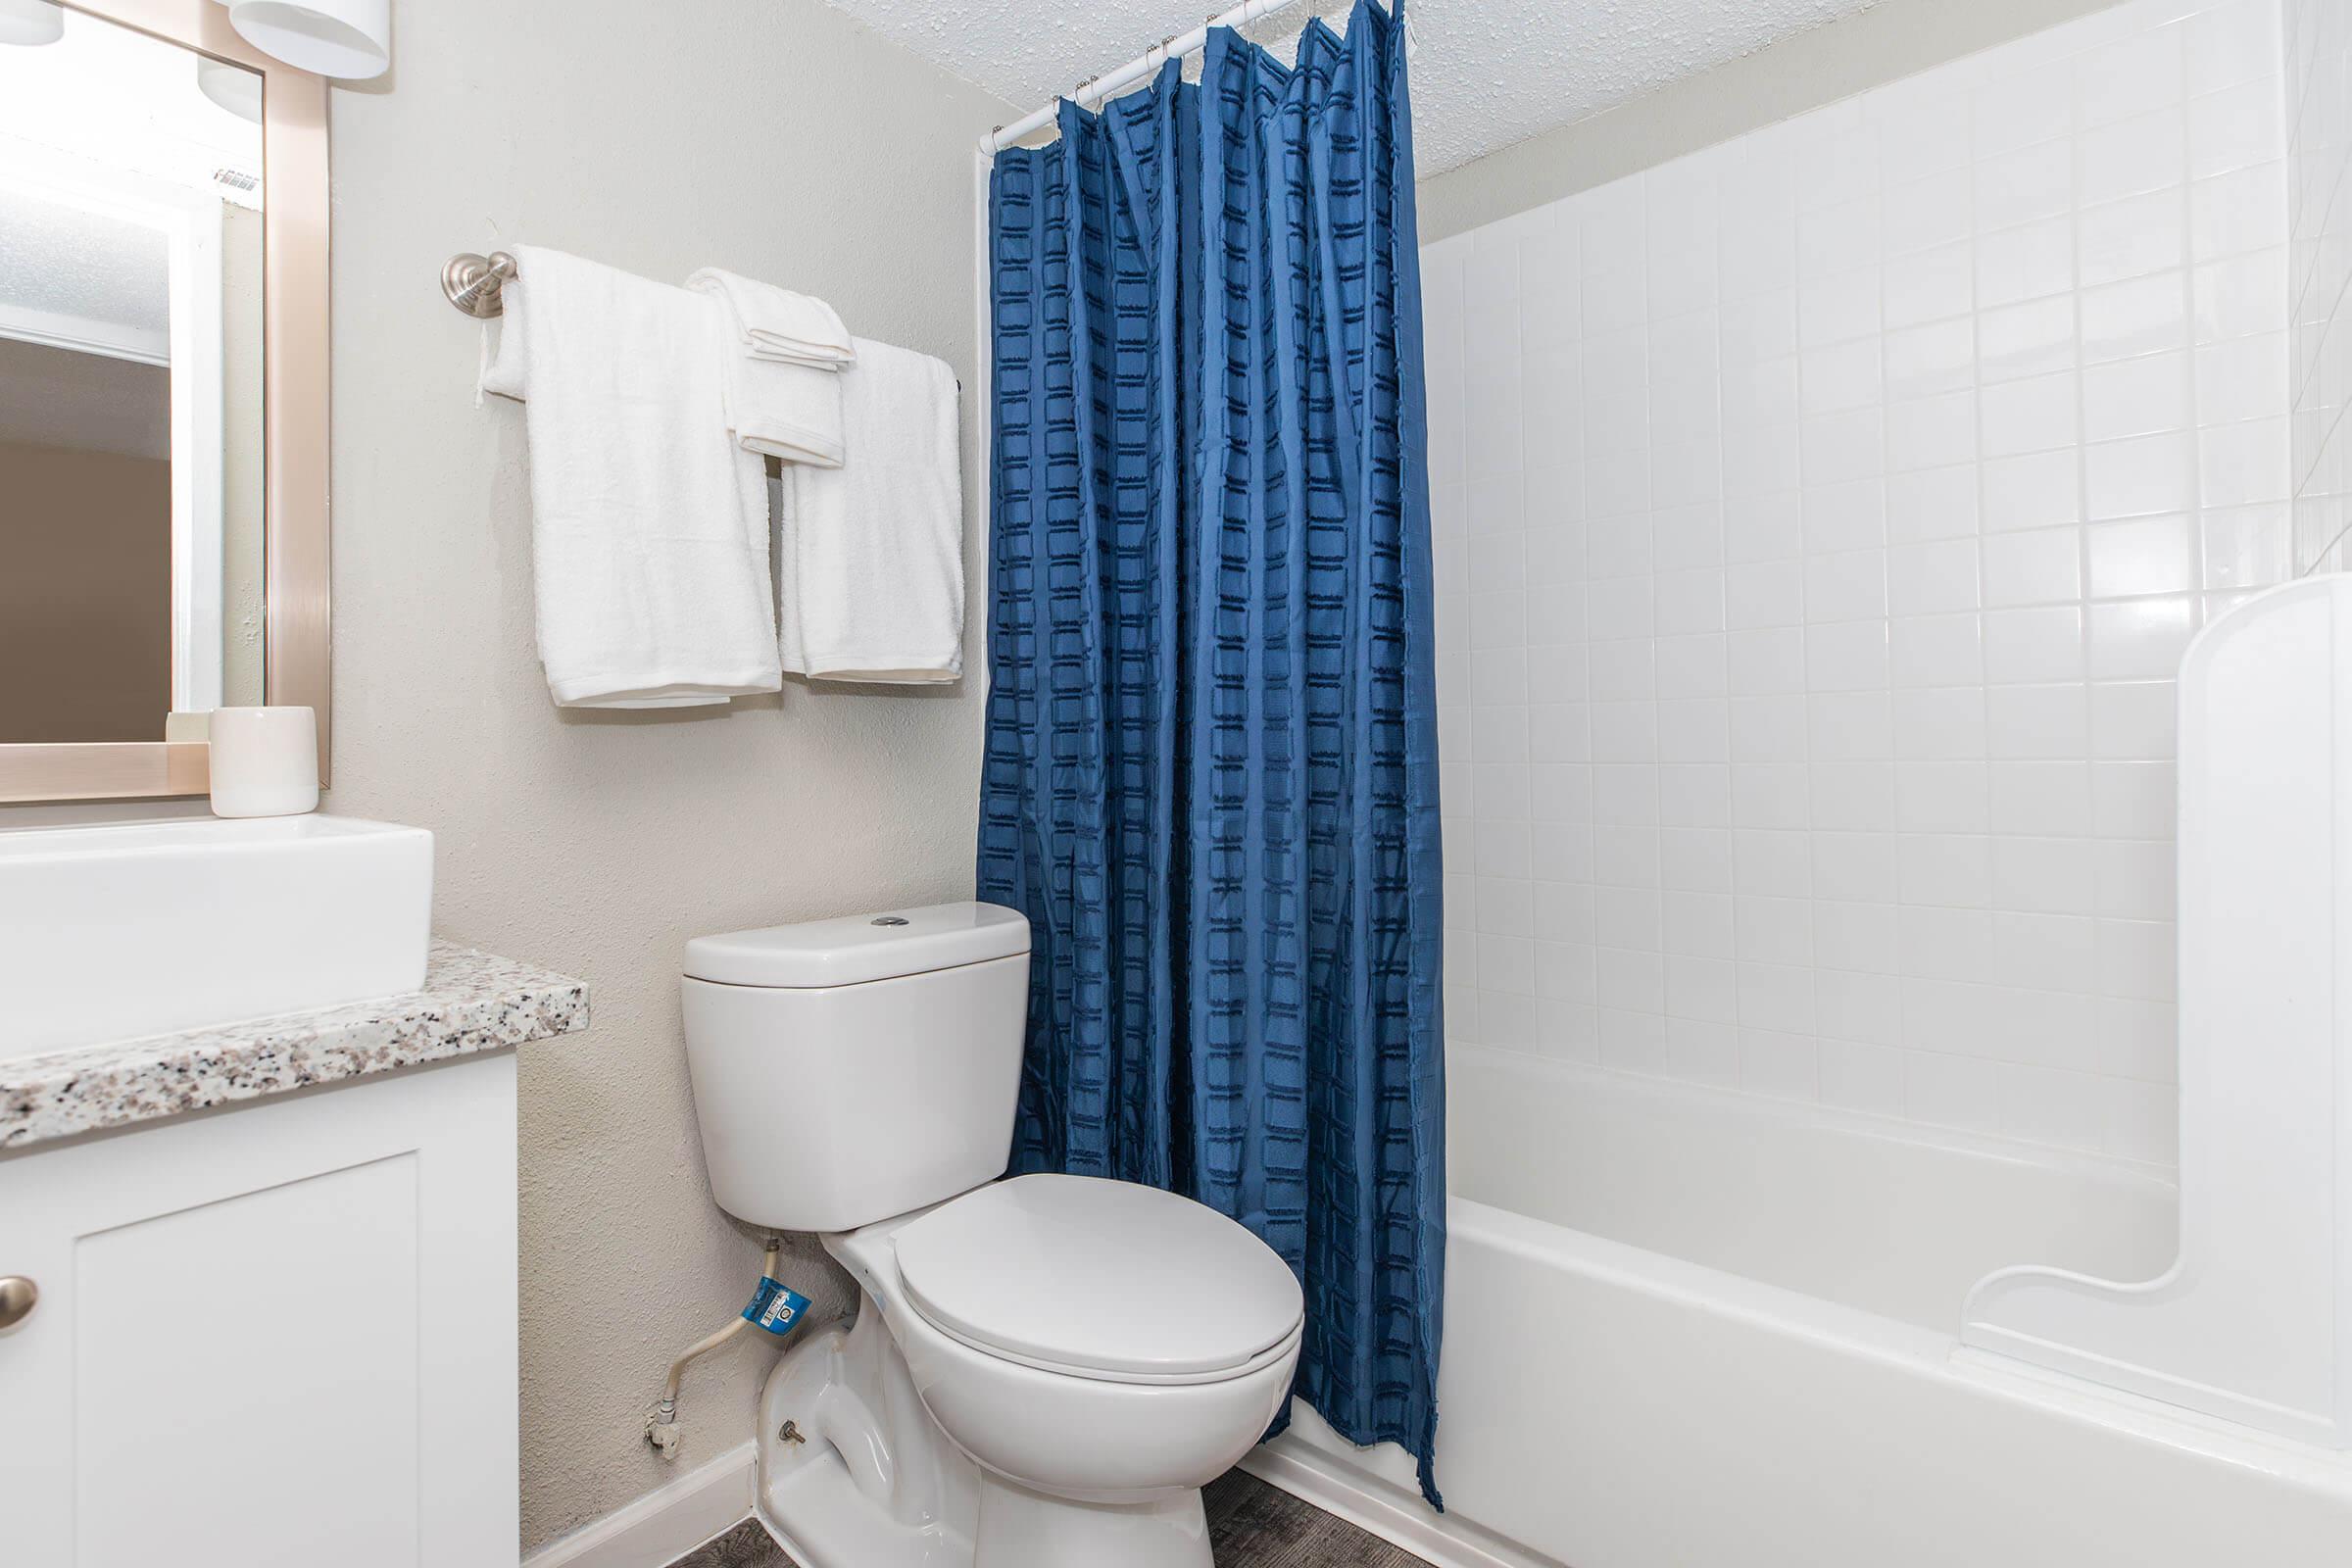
x=852, y=1070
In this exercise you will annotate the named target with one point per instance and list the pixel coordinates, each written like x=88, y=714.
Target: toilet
x=1043, y=1370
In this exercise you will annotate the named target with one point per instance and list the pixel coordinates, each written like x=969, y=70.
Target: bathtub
x=1691, y=1329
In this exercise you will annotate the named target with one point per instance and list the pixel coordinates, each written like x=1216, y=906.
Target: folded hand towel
x=872, y=552
x=777, y=408
x=778, y=324
x=649, y=539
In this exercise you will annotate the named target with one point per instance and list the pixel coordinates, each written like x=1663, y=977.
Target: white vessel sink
x=108, y=933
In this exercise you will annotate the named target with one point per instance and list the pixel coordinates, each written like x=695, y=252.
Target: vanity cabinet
x=274, y=1336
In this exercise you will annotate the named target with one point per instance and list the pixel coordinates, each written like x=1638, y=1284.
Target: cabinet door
x=272, y=1336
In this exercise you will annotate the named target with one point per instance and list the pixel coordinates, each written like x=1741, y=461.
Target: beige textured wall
x=1891, y=40
x=772, y=136
x=85, y=594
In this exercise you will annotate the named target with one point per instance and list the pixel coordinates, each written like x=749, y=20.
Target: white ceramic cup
x=264, y=761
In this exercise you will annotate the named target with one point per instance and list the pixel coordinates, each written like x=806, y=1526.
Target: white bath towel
x=649, y=541
x=777, y=408
x=778, y=324
x=872, y=552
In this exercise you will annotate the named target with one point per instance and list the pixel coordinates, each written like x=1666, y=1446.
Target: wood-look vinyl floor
x=1253, y=1525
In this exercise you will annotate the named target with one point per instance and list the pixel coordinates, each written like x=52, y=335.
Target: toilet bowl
x=1043, y=1370
x=1093, y=1420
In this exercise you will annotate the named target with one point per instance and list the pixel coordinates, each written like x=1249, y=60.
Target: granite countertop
x=472, y=1004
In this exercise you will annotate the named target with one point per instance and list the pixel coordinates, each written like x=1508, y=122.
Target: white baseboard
x=1303, y=1471
x=665, y=1523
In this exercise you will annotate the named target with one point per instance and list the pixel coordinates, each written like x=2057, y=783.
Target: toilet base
x=873, y=1483
x=1023, y=1528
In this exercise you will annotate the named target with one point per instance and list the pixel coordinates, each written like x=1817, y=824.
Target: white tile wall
x=1821, y=519
x=2318, y=95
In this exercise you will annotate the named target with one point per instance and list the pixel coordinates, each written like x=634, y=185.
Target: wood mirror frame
x=294, y=426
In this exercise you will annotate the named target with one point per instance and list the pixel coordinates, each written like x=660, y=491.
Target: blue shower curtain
x=1210, y=769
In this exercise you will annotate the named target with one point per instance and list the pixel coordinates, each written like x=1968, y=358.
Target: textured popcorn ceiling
x=1485, y=74
x=63, y=262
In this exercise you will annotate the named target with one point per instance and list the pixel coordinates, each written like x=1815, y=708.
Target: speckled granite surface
x=471, y=1002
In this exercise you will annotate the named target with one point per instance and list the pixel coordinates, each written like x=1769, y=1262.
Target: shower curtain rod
x=1134, y=70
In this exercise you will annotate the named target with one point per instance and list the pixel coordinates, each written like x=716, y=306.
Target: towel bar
x=473, y=283
x=476, y=283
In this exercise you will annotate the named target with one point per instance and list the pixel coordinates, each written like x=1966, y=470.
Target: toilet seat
x=1097, y=1279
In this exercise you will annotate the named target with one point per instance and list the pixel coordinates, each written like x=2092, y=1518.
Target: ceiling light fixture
x=350, y=40
x=234, y=88
x=31, y=21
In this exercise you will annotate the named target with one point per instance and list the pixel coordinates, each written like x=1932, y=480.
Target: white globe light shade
x=233, y=87
x=31, y=21
x=350, y=40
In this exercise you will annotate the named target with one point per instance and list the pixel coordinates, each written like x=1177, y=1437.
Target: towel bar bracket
x=476, y=284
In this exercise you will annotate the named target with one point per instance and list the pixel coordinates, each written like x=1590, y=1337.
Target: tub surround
x=2319, y=278
x=472, y=1004
x=2245, y=1325
x=1820, y=521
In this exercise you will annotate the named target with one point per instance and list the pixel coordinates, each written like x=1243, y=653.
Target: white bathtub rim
x=1868, y=1336
x=2073, y=1360
x=2147, y=1419
x=1317, y=1465
x=1334, y=1476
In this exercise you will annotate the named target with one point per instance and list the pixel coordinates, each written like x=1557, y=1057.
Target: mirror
x=132, y=381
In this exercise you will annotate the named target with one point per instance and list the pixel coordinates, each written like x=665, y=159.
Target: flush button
x=888, y=919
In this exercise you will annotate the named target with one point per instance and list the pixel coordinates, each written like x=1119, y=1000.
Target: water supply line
x=662, y=1418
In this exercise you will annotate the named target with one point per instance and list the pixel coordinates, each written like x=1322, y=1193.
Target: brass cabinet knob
x=17, y=1297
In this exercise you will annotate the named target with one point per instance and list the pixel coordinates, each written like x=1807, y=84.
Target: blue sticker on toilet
x=775, y=1308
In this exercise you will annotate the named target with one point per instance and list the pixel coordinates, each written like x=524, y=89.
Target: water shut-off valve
x=776, y=1310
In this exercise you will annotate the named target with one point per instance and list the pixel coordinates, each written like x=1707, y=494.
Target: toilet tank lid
x=855, y=949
